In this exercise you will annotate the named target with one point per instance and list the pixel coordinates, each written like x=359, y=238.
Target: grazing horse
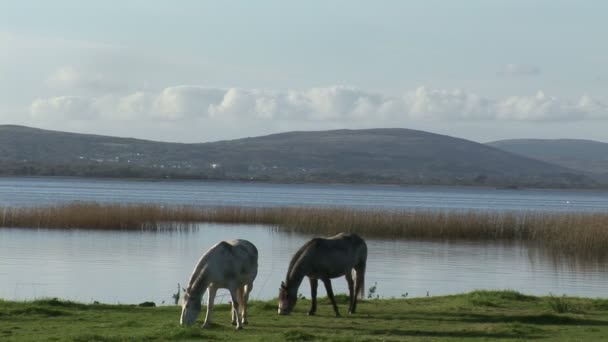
x=231, y=265
x=325, y=259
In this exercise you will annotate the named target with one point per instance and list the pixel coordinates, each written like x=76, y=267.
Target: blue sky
x=201, y=71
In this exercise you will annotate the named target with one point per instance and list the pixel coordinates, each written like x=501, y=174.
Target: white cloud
x=535, y=108
x=542, y=107
x=72, y=79
x=519, y=70
x=180, y=102
x=340, y=102
x=242, y=103
x=66, y=107
x=133, y=106
x=319, y=104
x=446, y=104
x=592, y=108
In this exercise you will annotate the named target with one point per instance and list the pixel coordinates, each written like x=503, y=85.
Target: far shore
x=315, y=183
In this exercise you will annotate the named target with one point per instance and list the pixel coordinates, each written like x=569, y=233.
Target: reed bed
x=583, y=234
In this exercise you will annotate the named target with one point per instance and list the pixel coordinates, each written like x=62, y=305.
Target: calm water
x=132, y=267
x=41, y=191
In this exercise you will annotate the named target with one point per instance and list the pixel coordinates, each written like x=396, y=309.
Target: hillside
x=367, y=156
x=582, y=155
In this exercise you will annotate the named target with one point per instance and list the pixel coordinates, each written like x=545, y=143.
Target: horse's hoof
x=233, y=322
x=311, y=313
x=245, y=322
x=239, y=327
x=338, y=315
x=206, y=326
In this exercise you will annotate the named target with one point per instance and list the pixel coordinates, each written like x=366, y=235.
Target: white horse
x=231, y=265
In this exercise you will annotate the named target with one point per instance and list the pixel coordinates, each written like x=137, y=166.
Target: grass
x=476, y=316
x=580, y=234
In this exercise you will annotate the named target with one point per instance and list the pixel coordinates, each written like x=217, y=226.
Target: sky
x=197, y=71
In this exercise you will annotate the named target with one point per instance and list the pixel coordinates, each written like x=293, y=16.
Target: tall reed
x=569, y=233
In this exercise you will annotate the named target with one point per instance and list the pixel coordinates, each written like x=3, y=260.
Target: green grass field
x=476, y=316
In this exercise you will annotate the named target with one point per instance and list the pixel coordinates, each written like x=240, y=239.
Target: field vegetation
x=476, y=316
x=570, y=234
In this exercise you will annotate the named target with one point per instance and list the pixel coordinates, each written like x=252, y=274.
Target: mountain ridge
x=379, y=155
x=583, y=155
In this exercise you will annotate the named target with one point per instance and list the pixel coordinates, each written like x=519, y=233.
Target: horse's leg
x=240, y=292
x=330, y=294
x=239, y=296
x=211, y=294
x=351, y=291
x=246, y=291
x=313, y=295
x=235, y=307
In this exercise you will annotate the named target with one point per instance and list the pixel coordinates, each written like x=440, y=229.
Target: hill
x=583, y=155
x=400, y=156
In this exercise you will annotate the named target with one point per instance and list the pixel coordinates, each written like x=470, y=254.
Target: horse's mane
x=196, y=276
x=296, y=257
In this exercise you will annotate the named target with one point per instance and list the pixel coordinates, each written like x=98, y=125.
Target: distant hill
x=582, y=155
x=399, y=156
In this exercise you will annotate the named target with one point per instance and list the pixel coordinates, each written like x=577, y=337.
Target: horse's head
x=190, y=309
x=287, y=300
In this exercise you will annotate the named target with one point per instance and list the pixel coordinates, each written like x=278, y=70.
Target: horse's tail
x=360, y=282
x=360, y=273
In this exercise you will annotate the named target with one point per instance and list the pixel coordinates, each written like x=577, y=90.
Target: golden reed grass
x=569, y=233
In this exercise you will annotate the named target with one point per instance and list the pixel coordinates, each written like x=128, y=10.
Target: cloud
x=536, y=108
x=519, y=70
x=424, y=103
x=241, y=102
x=180, y=102
x=72, y=79
x=592, y=108
x=319, y=104
x=542, y=107
x=66, y=107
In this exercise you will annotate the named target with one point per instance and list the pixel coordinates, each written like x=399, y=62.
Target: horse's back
x=352, y=241
x=230, y=261
x=342, y=251
x=244, y=247
x=236, y=249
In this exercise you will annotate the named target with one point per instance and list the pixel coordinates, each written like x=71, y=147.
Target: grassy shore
x=577, y=234
x=476, y=316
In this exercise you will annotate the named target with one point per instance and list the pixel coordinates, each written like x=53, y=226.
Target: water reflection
x=132, y=267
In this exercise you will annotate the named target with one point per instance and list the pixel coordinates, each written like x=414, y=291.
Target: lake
x=132, y=267
x=44, y=191
x=135, y=266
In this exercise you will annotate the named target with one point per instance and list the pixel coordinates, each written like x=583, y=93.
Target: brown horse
x=325, y=259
